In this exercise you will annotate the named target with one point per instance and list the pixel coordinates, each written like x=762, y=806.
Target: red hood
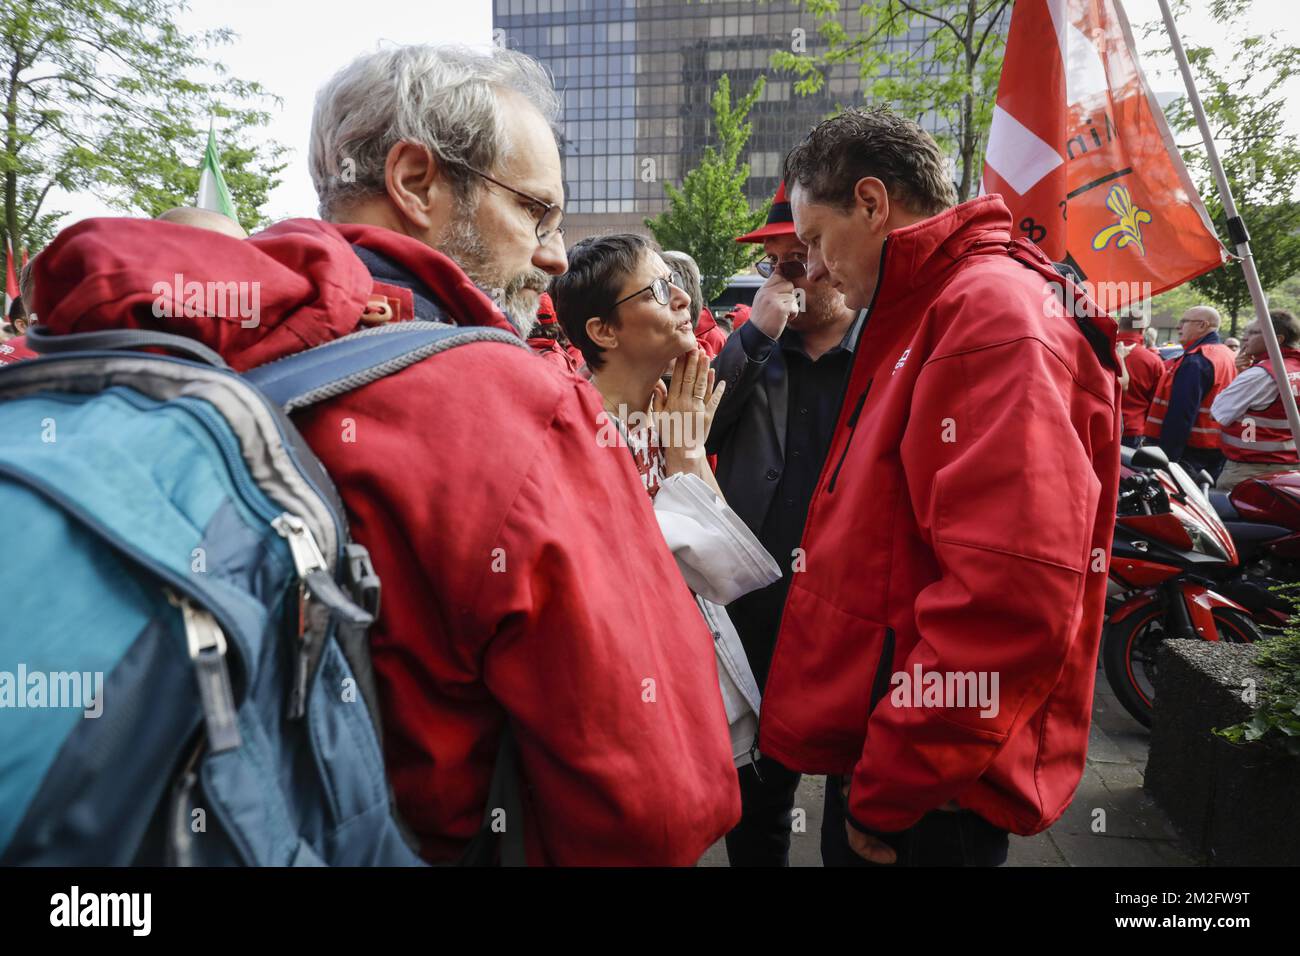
x=309, y=285
x=706, y=323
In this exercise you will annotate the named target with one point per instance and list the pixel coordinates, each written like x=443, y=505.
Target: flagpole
x=1236, y=228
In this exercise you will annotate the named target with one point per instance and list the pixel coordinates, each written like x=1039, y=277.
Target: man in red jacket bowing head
x=937, y=655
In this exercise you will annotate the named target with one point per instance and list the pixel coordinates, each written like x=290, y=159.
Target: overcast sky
x=293, y=46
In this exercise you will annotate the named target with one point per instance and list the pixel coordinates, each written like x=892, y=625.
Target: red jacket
x=524, y=574
x=1263, y=435
x=15, y=350
x=1204, y=432
x=962, y=524
x=553, y=352
x=1144, y=370
x=707, y=333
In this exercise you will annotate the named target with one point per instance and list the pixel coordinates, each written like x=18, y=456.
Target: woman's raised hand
x=684, y=413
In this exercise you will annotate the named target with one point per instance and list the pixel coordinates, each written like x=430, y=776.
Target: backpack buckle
x=362, y=580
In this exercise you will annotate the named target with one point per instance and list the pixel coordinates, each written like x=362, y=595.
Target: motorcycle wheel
x=1129, y=651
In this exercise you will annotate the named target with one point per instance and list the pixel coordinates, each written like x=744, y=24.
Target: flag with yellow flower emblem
x=1080, y=151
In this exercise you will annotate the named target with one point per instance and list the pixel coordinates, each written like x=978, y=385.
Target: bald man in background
x=1179, y=420
x=204, y=219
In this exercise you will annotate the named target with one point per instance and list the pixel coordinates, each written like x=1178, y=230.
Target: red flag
x=1080, y=151
x=24, y=257
x=11, y=279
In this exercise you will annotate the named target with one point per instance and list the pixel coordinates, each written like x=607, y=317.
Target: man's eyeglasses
x=660, y=288
x=552, y=215
x=789, y=268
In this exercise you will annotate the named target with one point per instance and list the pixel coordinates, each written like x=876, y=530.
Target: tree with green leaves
x=112, y=97
x=952, y=75
x=706, y=214
x=1243, y=90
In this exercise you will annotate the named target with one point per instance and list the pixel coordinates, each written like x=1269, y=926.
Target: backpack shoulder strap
x=40, y=340
x=335, y=368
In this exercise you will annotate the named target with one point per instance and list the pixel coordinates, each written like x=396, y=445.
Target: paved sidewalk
x=1111, y=821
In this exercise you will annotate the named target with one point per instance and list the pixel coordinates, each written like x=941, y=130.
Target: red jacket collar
x=465, y=302
x=920, y=253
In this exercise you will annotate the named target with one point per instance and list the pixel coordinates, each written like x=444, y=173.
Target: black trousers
x=1212, y=460
x=940, y=838
x=762, y=837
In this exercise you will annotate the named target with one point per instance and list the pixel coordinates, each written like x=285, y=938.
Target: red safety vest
x=1262, y=434
x=1205, y=431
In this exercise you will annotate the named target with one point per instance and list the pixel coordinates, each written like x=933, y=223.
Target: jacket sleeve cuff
x=887, y=818
x=758, y=344
x=853, y=822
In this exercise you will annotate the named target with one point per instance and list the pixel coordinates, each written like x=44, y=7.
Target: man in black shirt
x=785, y=371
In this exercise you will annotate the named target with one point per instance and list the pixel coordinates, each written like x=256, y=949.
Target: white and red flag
x=11, y=279
x=1081, y=152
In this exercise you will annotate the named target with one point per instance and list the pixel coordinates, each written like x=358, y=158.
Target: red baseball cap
x=780, y=221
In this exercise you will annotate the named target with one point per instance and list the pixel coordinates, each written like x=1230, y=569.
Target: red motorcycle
x=1170, y=555
x=1263, y=516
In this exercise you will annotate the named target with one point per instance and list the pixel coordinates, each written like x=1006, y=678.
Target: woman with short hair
x=623, y=306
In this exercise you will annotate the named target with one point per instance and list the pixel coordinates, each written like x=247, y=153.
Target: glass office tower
x=636, y=77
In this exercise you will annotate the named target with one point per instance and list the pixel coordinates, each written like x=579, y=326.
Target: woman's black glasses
x=659, y=287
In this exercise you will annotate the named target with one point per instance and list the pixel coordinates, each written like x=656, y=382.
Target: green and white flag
x=213, y=193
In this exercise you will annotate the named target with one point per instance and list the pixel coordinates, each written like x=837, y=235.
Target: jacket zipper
x=853, y=425
x=857, y=409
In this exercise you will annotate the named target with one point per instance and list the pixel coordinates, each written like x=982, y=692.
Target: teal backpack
x=184, y=669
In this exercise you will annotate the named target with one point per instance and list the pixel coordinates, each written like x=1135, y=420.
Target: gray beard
x=463, y=244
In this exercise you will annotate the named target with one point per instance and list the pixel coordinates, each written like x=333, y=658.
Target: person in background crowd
x=936, y=544
x=736, y=317
x=18, y=317
x=1140, y=372
x=625, y=307
x=1245, y=358
x=1179, y=420
x=547, y=339
x=706, y=329
x=205, y=219
x=13, y=347
x=1149, y=338
x=1256, y=437
x=476, y=479
x=1233, y=344
x=785, y=370
x=723, y=322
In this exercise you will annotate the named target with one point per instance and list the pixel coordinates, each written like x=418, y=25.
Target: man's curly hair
x=859, y=143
